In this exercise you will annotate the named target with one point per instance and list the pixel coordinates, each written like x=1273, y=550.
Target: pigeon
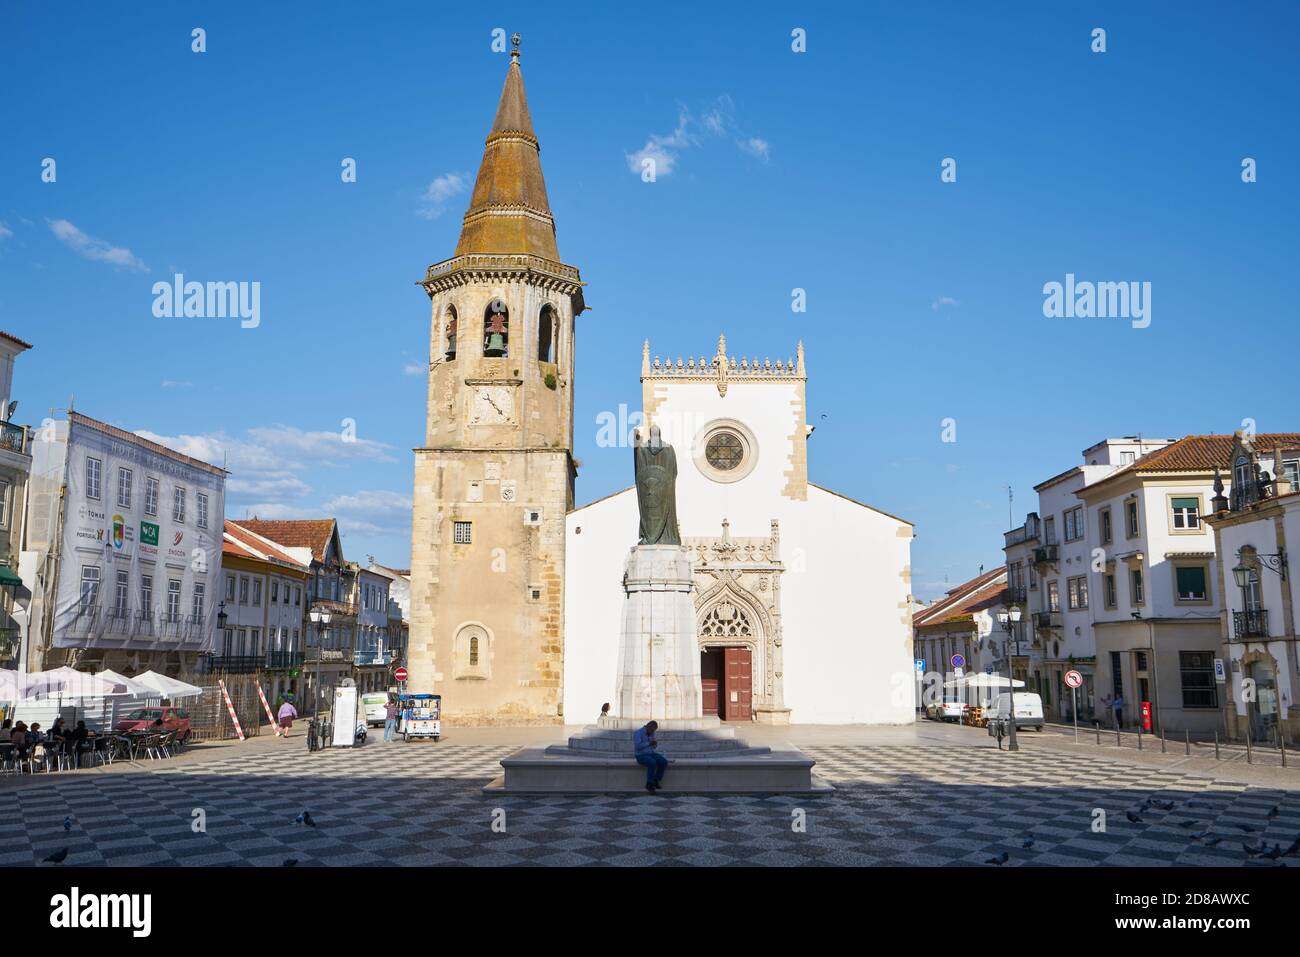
x=58, y=857
x=305, y=818
x=67, y=823
x=1000, y=859
x=1164, y=805
x=1273, y=812
x=1146, y=806
x=1274, y=852
x=1295, y=846
x=290, y=862
x=1256, y=850
x=1029, y=842
x=1132, y=818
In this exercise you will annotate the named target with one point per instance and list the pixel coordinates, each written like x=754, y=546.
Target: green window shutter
x=1191, y=503
x=1191, y=581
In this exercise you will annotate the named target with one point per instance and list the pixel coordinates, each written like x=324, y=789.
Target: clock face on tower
x=492, y=405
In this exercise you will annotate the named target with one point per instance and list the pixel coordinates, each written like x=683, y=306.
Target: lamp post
x=1008, y=620
x=221, y=623
x=322, y=621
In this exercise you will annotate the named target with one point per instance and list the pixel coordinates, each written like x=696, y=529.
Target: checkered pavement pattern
x=422, y=804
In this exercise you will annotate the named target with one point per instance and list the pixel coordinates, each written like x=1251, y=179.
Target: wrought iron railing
x=1047, y=619
x=1252, y=623
x=1045, y=553
x=1016, y=594
x=372, y=657
x=13, y=437
x=236, y=664
x=284, y=659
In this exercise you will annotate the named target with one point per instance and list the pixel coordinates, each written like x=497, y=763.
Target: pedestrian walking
x=286, y=716
x=390, y=719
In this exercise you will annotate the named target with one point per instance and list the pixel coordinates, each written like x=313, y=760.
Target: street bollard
x=1096, y=725
x=1119, y=742
x=1281, y=743
x=1139, y=735
x=1187, y=740
x=1162, y=740
x=1216, y=744
x=1250, y=754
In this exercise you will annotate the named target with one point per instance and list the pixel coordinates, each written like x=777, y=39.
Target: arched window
x=546, y=334
x=496, y=330
x=449, y=332
x=473, y=651
x=725, y=620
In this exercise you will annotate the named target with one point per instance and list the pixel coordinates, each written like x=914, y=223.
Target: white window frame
x=201, y=510
x=151, y=485
x=173, y=600
x=124, y=480
x=94, y=478
x=178, y=505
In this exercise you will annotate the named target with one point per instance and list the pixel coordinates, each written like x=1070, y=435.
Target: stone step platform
x=672, y=743
x=562, y=771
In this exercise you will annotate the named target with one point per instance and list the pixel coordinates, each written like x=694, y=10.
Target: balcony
x=373, y=657
x=1016, y=594
x=10, y=642
x=236, y=664
x=325, y=655
x=1047, y=619
x=13, y=438
x=1252, y=623
x=1046, y=553
x=284, y=659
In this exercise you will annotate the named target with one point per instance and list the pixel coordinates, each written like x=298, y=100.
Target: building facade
x=374, y=654
x=264, y=598
x=1255, y=527
x=123, y=551
x=494, y=476
x=963, y=622
x=15, y=469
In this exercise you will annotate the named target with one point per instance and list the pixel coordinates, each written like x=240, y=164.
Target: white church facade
x=801, y=594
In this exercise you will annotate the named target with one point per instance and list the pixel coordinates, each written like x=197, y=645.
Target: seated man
x=643, y=743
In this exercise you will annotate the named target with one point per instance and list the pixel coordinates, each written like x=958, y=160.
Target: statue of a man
x=656, y=491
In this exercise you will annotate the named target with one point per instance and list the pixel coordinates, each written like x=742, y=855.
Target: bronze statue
x=655, y=466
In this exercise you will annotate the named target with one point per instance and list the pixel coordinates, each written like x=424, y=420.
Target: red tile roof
x=13, y=338
x=131, y=437
x=240, y=541
x=1201, y=453
x=313, y=533
x=980, y=592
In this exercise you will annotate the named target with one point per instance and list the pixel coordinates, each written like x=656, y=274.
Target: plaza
x=928, y=795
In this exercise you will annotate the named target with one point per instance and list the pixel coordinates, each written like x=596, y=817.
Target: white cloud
x=273, y=484
x=176, y=384
x=92, y=248
x=717, y=120
x=5, y=230
x=943, y=301
x=413, y=368
x=756, y=146
x=438, y=192
x=372, y=502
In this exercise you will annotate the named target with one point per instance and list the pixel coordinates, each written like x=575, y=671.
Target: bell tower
x=495, y=475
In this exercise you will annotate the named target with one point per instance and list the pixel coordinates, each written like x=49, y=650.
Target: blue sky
x=819, y=170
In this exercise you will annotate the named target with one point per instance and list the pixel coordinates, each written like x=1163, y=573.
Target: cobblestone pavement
x=930, y=800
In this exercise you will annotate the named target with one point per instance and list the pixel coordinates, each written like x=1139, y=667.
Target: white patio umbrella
x=168, y=687
x=68, y=682
x=981, y=680
x=130, y=685
x=13, y=685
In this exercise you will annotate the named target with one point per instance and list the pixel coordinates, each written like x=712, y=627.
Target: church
x=801, y=594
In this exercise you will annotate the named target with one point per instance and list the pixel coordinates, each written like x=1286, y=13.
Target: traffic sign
x=400, y=674
x=1220, y=675
x=958, y=661
x=1073, y=679
x=920, y=665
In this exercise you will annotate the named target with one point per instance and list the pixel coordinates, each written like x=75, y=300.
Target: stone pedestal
x=659, y=656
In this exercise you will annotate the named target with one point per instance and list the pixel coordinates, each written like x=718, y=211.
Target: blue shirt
x=641, y=742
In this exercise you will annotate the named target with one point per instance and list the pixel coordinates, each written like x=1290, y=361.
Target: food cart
x=421, y=716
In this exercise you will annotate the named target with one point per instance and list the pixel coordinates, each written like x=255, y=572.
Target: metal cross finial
x=514, y=42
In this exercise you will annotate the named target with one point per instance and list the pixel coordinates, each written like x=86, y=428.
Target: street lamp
x=221, y=623
x=322, y=621
x=1008, y=620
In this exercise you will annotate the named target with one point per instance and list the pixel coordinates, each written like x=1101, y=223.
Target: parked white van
x=1029, y=709
x=374, y=704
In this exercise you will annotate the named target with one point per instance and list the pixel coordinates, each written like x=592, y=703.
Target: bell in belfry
x=496, y=345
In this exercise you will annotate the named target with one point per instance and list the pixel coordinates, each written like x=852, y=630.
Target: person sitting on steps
x=644, y=744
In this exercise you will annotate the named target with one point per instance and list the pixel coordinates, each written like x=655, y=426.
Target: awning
x=8, y=579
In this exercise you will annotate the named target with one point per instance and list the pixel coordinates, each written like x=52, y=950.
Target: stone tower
x=494, y=478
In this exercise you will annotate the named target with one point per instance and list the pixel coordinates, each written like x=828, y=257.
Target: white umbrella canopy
x=128, y=685
x=981, y=680
x=68, y=682
x=13, y=685
x=168, y=687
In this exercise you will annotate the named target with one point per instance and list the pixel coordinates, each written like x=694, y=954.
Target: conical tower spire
x=509, y=212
